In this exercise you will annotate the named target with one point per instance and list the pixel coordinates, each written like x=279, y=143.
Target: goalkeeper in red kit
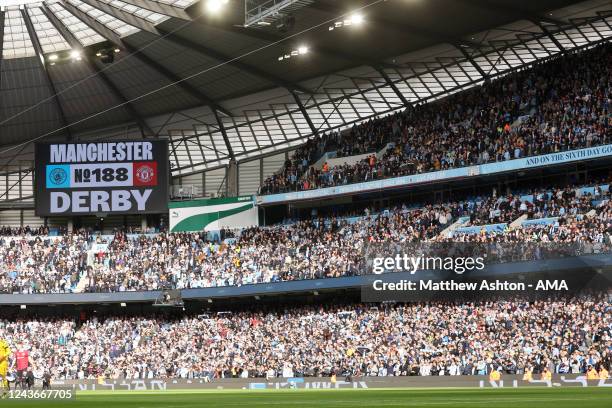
x=21, y=360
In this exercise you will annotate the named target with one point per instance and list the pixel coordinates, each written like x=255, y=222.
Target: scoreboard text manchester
x=107, y=177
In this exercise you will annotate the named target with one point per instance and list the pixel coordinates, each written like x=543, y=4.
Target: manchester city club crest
x=58, y=176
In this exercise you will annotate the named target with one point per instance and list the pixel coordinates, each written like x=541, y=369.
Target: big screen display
x=119, y=177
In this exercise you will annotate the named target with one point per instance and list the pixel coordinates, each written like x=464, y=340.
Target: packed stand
x=562, y=336
x=320, y=248
x=545, y=203
x=576, y=220
x=556, y=106
x=334, y=247
x=21, y=231
x=308, y=249
x=31, y=263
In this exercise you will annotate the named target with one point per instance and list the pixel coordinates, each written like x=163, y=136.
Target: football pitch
x=431, y=398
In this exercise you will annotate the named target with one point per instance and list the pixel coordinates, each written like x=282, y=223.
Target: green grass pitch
x=347, y=398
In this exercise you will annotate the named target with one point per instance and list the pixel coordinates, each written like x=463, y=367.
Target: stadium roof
x=219, y=89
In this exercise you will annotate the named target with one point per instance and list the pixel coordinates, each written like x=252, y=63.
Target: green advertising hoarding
x=213, y=214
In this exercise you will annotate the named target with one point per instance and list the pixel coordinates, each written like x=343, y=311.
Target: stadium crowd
x=306, y=249
x=560, y=105
x=31, y=263
x=544, y=203
x=594, y=230
x=334, y=247
x=410, y=339
x=19, y=231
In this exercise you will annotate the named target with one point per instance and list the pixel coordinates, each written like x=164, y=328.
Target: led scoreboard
x=120, y=177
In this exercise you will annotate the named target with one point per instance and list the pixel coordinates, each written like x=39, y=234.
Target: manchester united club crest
x=145, y=174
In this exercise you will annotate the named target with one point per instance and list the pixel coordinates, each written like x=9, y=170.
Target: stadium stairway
x=518, y=223
x=80, y=287
x=332, y=160
x=319, y=163
x=451, y=228
x=91, y=254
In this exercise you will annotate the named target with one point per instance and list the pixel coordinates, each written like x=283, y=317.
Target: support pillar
x=232, y=178
x=143, y=223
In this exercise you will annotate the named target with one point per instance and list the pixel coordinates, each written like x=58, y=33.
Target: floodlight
x=357, y=19
x=215, y=6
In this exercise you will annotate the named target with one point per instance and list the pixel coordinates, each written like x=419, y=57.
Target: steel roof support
x=578, y=22
x=188, y=152
x=130, y=18
x=161, y=7
x=145, y=130
x=228, y=145
x=405, y=81
x=41, y=60
x=22, y=176
x=603, y=15
x=468, y=57
x=393, y=86
x=302, y=109
x=237, y=129
x=265, y=125
x=546, y=31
